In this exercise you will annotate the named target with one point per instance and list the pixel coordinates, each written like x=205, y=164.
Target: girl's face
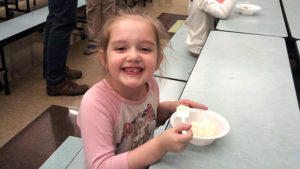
x=131, y=56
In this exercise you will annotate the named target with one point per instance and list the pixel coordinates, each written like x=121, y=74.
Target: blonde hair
x=125, y=13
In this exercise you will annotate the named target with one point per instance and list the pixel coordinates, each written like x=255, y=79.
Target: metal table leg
x=4, y=71
x=1, y=86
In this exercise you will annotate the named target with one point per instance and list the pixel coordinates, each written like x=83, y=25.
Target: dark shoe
x=195, y=54
x=73, y=74
x=90, y=49
x=67, y=87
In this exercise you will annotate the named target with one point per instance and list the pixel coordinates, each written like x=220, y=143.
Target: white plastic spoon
x=183, y=113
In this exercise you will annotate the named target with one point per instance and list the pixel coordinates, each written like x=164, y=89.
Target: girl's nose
x=133, y=55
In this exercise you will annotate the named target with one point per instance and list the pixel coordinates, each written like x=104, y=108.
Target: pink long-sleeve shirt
x=112, y=125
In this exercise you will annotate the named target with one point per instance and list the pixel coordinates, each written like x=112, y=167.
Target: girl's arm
x=170, y=140
x=167, y=108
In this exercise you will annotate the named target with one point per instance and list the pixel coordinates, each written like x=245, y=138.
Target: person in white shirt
x=201, y=20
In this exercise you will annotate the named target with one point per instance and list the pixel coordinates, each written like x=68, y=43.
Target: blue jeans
x=61, y=21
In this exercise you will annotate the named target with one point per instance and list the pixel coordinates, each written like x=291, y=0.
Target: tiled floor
x=28, y=98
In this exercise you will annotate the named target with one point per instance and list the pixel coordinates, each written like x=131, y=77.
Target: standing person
x=118, y=115
x=60, y=23
x=97, y=13
x=201, y=20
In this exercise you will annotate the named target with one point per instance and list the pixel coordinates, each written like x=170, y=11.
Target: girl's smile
x=132, y=70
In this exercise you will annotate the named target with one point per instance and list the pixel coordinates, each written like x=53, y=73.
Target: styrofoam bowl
x=248, y=9
x=221, y=124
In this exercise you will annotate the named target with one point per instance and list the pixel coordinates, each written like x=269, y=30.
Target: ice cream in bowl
x=207, y=125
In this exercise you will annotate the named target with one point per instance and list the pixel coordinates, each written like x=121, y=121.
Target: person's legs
x=97, y=12
x=131, y=3
x=72, y=74
x=93, y=14
x=47, y=28
x=60, y=23
x=108, y=10
x=120, y=3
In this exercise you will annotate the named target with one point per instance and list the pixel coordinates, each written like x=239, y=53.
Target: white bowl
x=220, y=123
x=248, y=9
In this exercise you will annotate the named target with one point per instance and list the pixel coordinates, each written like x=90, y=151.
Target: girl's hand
x=191, y=104
x=167, y=108
x=173, y=141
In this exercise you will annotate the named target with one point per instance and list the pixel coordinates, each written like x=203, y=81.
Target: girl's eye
x=145, y=49
x=120, y=49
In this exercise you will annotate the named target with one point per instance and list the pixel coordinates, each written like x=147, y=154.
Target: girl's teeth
x=132, y=70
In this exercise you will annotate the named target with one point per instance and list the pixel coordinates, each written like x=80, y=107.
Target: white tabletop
x=292, y=11
x=247, y=79
x=268, y=21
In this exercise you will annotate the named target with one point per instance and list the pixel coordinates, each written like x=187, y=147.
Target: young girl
x=201, y=20
x=118, y=115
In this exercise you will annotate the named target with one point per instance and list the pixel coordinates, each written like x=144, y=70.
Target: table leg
x=6, y=9
x=28, y=6
x=1, y=86
x=4, y=70
x=8, y=12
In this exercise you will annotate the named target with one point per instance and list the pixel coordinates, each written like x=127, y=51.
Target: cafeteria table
x=268, y=21
x=248, y=80
x=292, y=10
